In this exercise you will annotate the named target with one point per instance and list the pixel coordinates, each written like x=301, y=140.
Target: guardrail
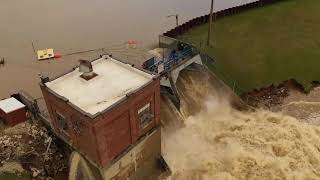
x=178, y=57
x=175, y=57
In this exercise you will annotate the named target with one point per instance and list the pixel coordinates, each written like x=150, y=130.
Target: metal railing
x=179, y=51
x=177, y=57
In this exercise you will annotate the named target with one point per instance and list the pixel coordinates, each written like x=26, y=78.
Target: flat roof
x=11, y=104
x=114, y=81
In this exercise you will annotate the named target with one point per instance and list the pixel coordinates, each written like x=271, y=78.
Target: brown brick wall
x=109, y=134
x=84, y=141
x=113, y=141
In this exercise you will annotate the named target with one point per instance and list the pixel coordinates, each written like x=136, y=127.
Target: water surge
x=219, y=142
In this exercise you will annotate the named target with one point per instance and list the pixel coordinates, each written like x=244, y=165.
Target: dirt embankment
x=290, y=99
x=271, y=96
x=29, y=149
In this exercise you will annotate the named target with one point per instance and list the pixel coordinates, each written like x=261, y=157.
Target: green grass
x=13, y=176
x=265, y=46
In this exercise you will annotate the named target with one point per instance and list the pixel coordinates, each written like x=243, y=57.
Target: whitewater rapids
x=219, y=142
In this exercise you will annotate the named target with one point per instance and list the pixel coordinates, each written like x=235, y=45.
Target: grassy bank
x=266, y=45
x=14, y=176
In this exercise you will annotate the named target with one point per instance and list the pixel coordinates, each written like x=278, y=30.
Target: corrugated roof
x=11, y=104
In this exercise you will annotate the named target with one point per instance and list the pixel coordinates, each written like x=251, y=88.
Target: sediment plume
x=222, y=143
x=308, y=112
x=219, y=142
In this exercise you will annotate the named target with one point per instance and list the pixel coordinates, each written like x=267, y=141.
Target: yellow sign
x=45, y=54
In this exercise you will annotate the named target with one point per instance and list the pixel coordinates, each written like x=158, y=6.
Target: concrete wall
x=140, y=162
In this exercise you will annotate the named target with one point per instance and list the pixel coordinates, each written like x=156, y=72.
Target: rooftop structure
x=11, y=104
x=105, y=109
x=12, y=111
x=114, y=80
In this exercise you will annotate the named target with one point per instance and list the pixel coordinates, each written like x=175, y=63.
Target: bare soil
x=32, y=150
x=290, y=99
x=271, y=96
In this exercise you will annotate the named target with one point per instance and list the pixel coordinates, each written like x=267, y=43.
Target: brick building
x=12, y=111
x=105, y=108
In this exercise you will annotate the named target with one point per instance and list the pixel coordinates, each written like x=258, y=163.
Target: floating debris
x=132, y=44
x=45, y=54
x=2, y=61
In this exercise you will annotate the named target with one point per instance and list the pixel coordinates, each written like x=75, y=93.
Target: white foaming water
x=222, y=143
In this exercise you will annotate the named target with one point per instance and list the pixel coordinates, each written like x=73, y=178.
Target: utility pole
x=210, y=23
x=177, y=19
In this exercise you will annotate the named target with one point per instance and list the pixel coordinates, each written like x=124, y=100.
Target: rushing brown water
x=77, y=25
x=215, y=141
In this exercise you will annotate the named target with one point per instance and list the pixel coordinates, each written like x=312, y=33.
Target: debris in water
x=2, y=61
x=132, y=44
x=45, y=54
x=57, y=56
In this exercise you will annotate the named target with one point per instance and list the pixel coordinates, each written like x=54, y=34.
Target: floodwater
x=215, y=141
x=78, y=25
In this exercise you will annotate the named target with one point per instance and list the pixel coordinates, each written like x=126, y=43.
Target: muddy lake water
x=79, y=25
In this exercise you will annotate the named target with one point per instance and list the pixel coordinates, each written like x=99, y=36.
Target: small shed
x=12, y=111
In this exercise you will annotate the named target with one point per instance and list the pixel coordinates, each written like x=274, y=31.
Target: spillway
x=209, y=139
